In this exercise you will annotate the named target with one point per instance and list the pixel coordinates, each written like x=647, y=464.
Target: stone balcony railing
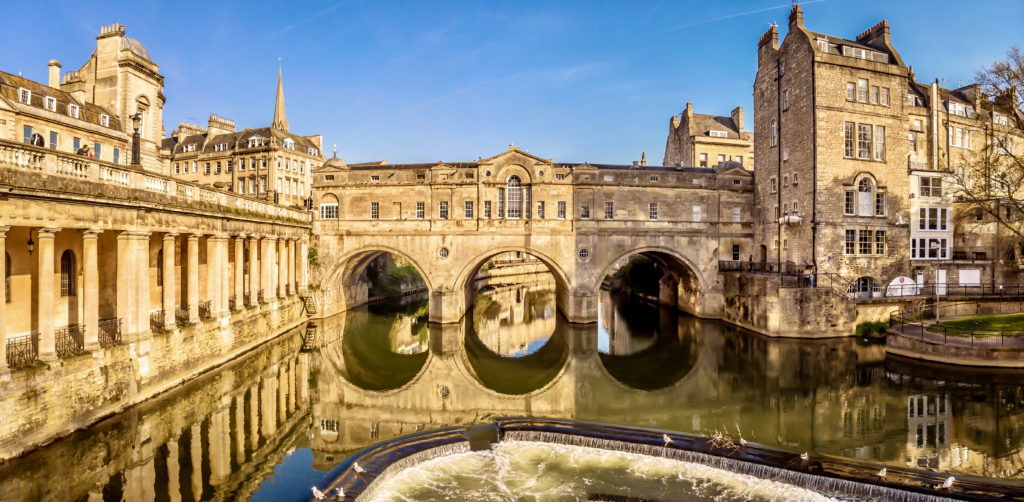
x=144, y=185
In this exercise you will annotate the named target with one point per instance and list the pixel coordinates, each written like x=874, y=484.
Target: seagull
x=743, y=442
x=882, y=473
x=666, y=439
x=341, y=493
x=358, y=468
x=804, y=456
x=319, y=495
x=948, y=483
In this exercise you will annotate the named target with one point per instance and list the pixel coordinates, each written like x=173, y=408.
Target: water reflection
x=272, y=423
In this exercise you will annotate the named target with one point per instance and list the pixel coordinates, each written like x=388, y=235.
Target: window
x=721, y=159
x=913, y=141
x=880, y=204
x=739, y=159
x=652, y=211
x=851, y=242
x=487, y=209
x=960, y=137
x=289, y=143
x=930, y=186
x=785, y=180
x=735, y=252
x=27, y=130
x=880, y=242
x=718, y=134
x=191, y=147
x=880, y=143
x=241, y=186
x=263, y=184
x=848, y=128
x=609, y=210
x=917, y=126
x=929, y=249
x=736, y=213
x=421, y=177
x=864, y=141
x=117, y=155
x=51, y=104
x=885, y=96
x=514, y=191
x=559, y=176
x=67, y=274
x=862, y=90
x=796, y=208
x=53, y=140
x=865, y=189
x=443, y=210
x=822, y=45
x=561, y=210
x=104, y=120
x=73, y=111
x=932, y=218
x=374, y=211
x=501, y=203
x=229, y=166
x=252, y=185
x=540, y=209
x=696, y=213
x=654, y=179
x=420, y=210
x=703, y=160
x=375, y=178
x=775, y=136
x=328, y=211
x=796, y=179
x=851, y=91
x=874, y=94
x=864, y=241
x=585, y=211
x=774, y=184
x=785, y=100
x=468, y=209
x=76, y=143
x=217, y=168
x=206, y=168
x=24, y=95
x=97, y=150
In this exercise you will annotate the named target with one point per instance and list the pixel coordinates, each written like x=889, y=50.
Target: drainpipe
x=778, y=152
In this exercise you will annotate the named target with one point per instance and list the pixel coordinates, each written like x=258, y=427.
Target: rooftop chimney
x=54, y=73
x=643, y=159
x=737, y=118
x=796, y=17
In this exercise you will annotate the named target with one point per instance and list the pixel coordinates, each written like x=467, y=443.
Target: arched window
x=67, y=274
x=329, y=207
x=514, y=193
x=865, y=197
x=160, y=268
x=775, y=135
x=7, y=277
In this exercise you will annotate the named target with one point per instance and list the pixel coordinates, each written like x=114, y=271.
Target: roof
x=235, y=139
x=134, y=46
x=704, y=122
x=87, y=112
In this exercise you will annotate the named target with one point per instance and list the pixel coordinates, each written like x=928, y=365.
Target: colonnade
x=75, y=290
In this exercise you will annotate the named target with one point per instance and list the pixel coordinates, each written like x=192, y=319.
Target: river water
x=274, y=422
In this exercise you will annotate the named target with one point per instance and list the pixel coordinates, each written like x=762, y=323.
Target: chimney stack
x=737, y=118
x=54, y=73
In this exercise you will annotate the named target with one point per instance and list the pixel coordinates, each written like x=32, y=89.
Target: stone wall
x=760, y=303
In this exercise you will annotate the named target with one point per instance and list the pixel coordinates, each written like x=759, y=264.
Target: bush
x=867, y=329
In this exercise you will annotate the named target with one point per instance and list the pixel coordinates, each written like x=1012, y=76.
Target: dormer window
x=1000, y=119
x=104, y=120
x=289, y=143
x=191, y=147
x=960, y=109
x=73, y=111
x=311, y=151
x=374, y=178
x=24, y=95
x=220, y=147
x=718, y=134
x=823, y=45
x=51, y=103
x=256, y=141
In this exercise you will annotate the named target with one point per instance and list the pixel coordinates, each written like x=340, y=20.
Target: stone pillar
x=170, y=284
x=45, y=294
x=446, y=306
x=282, y=395
x=303, y=262
x=254, y=269
x=212, y=273
x=193, y=278
x=272, y=268
x=142, y=304
x=254, y=417
x=240, y=429
x=219, y=456
x=239, y=270
x=265, y=267
x=197, y=462
x=225, y=287
x=91, y=284
x=282, y=267
x=173, y=464
x=292, y=285
x=269, y=412
x=3, y=299
x=126, y=277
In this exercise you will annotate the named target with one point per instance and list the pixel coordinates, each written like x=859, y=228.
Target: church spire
x=280, y=122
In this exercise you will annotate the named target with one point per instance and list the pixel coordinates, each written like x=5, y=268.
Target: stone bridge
x=583, y=221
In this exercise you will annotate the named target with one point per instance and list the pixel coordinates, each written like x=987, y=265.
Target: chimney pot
x=54, y=80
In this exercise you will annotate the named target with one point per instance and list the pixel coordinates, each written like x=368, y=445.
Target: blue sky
x=426, y=81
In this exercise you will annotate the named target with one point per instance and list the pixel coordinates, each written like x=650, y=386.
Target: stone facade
x=696, y=139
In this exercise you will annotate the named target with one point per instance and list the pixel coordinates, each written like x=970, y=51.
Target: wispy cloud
x=305, y=20
x=730, y=16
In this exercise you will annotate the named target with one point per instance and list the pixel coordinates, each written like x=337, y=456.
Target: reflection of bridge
x=582, y=221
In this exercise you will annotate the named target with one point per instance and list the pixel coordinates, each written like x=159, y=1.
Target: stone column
x=254, y=269
x=282, y=395
x=193, y=278
x=212, y=273
x=303, y=261
x=240, y=429
x=265, y=266
x=91, y=280
x=170, y=282
x=269, y=412
x=142, y=285
x=282, y=267
x=254, y=417
x=173, y=464
x=272, y=268
x=239, y=270
x=292, y=285
x=224, y=288
x=126, y=277
x=3, y=299
x=45, y=294
x=197, y=462
x=218, y=455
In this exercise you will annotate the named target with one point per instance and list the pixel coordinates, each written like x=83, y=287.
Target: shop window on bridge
x=514, y=191
x=487, y=209
x=443, y=210
x=328, y=208
x=67, y=273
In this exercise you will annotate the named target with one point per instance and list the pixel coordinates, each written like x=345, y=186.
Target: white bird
x=341, y=493
x=804, y=456
x=358, y=468
x=882, y=473
x=948, y=483
x=743, y=442
x=666, y=439
x=317, y=494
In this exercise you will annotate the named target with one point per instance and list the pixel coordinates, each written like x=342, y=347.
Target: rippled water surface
x=274, y=422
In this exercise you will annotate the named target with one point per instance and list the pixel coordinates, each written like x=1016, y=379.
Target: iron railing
x=109, y=332
x=69, y=341
x=22, y=351
x=763, y=267
x=287, y=290
x=309, y=338
x=233, y=303
x=181, y=316
x=248, y=300
x=204, y=310
x=260, y=298
x=156, y=320
x=923, y=323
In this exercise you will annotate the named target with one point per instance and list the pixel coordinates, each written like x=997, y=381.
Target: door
x=920, y=281
x=940, y=282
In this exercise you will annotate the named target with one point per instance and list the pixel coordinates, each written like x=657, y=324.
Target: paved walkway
x=956, y=339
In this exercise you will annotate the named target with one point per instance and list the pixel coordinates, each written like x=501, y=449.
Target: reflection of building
x=929, y=424
x=621, y=339
x=516, y=317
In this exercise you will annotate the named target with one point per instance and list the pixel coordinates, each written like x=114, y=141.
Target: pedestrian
x=84, y=151
x=37, y=139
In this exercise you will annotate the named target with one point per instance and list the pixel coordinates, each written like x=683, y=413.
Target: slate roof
x=87, y=112
x=703, y=122
x=236, y=140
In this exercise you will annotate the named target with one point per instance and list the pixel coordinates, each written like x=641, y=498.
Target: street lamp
x=136, y=148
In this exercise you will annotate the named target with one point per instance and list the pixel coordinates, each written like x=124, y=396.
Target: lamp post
x=136, y=148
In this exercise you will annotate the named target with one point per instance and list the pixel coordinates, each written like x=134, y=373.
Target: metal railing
x=233, y=303
x=260, y=298
x=22, y=351
x=248, y=300
x=763, y=267
x=287, y=290
x=156, y=320
x=923, y=323
x=181, y=316
x=204, y=310
x=69, y=341
x=109, y=332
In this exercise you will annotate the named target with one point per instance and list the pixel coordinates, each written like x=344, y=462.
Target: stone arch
x=339, y=289
x=506, y=172
x=563, y=285
x=683, y=286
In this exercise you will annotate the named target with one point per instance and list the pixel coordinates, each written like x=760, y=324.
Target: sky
x=425, y=81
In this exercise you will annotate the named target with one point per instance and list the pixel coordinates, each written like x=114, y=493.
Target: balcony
x=205, y=312
x=69, y=340
x=109, y=332
x=181, y=317
x=22, y=351
x=156, y=321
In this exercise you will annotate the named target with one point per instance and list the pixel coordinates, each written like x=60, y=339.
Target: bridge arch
x=341, y=289
x=463, y=281
x=683, y=286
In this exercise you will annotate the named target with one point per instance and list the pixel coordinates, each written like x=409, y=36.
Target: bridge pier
x=578, y=307
x=447, y=306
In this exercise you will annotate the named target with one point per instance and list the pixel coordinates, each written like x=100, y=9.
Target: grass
x=985, y=324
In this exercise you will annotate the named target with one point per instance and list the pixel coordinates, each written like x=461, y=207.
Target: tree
x=989, y=180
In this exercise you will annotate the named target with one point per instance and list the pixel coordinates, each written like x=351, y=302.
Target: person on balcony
x=37, y=139
x=84, y=151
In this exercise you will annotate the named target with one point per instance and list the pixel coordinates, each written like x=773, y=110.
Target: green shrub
x=868, y=329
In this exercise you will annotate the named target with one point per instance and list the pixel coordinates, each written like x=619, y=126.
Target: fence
x=763, y=267
x=924, y=323
x=22, y=350
x=69, y=340
x=156, y=320
x=109, y=332
x=181, y=316
x=204, y=310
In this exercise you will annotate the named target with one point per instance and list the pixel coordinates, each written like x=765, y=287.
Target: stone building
x=91, y=106
x=855, y=162
x=269, y=163
x=696, y=139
